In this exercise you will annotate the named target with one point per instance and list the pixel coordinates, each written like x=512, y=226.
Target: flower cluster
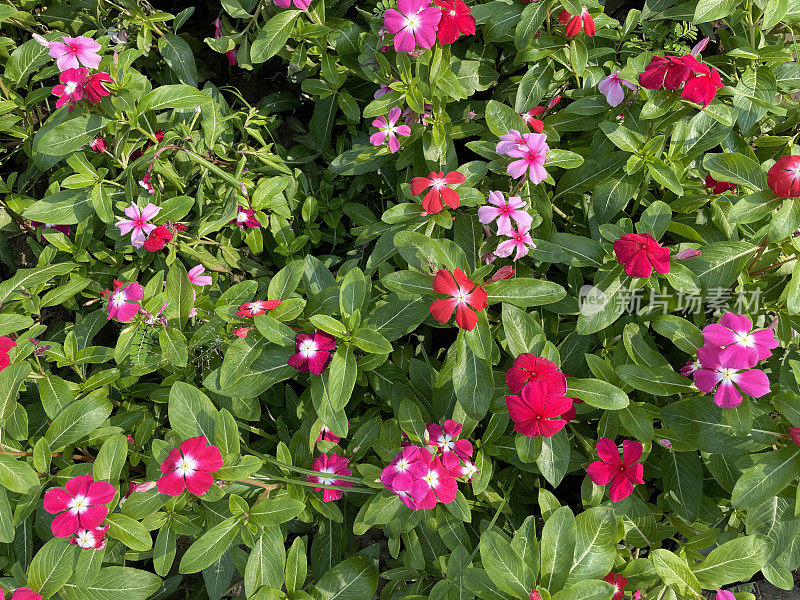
x=76, y=83
x=505, y=212
x=537, y=404
x=417, y=23
x=81, y=504
x=700, y=81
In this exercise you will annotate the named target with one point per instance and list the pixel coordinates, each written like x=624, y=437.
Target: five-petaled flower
x=388, y=130
x=530, y=118
x=190, y=468
x=81, y=503
x=739, y=347
x=783, y=177
x=158, y=238
x=406, y=467
x=436, y=484
x=538, y=411
x=521, y=241
x=413, y=24
x=611, y=88
x=574, y=23
x=529, y=367
x=245, y=217
x=702, y=85
x=456, y=19
x=259, y=307
x=505, y=212
x=718, y=374
x=312, y=352
x=531, y=155
x=73, y=52
x=71, y=88
x=332, y=466
x=619, y=582
x=439, y=192
x=444, y=438
x=6, y=344
x=465, y=298
x=123, y=300
x=95, y=88
x=621, y=473
x=641, y=253
x=137, y=223
x=668, y=72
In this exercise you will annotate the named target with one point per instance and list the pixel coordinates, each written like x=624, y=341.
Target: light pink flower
x=531, y=155
x=90, y=539
x=389, y=130
x=740, y=348
x=71, y=87
x=699, y=47
x=611, y=88
x=727, y=380
x=82, y=501
x=123, y=301
x=413, y=23
x=73, y=52
x=190, y=468
x=505, y=212
x=520, y=240
x=510, y=141
x=332, y=465
x=137, y=223
x=196, y=276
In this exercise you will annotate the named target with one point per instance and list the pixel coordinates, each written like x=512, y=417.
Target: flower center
x=326, y=480
x=744, y=338
x=78, y=504
x=432, y=478
x=85, y=539
x=241, y=217
x=402, y=464
x=118, y=299
x=462, y=296
x=70, y=88
x=185, y=466
x=308, y=348
x=411, y=22
x=452, y=13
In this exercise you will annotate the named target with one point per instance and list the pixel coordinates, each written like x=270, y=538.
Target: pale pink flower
x=389, y=130
x=383, y=89
x=137, y=223
x=71, y=87
x=73, y=52
x=611, y=88
x=505, y=212
x=520, y=241
x=688, y=253
x=509, y=141
x=531, y=155
x=196, y=276
x=413, y=23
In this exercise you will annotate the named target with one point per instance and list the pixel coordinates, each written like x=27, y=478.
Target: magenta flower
x=22, y=593
x=71, y=87
x=123, y=301
x=537, y=410
x=190, y=468
x=73, y=52
x=414, y=23
x=611, y=88
x=312, y=352
x=740, y=348
x=196, y=276
x=531, y=155
x=505, y=212
x=137, y=223
x=436, y=484
x=82, y=501
x=727, y=380
x=688, y=253
x=388, y=129
x=230, y=54
x=90, y=539
x=690, y=367
x=327, y=435
x=509, y=141
x=520, y=241
x=332, y=466
x=724, y=594
x=245, y=218
x=383, y=89
x=299, y=4
x=409, y=465
x=445, y=439
x=620, y=473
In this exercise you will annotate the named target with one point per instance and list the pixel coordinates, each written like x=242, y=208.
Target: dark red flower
x=718, y=187
x=94, y=87
x=783, y=177
x=641, y=253
x=456, y=19
x=574, y=23
x=702, y=85
x=794, y=433
x=619, y=582
x=158, y=239
x=438, y=182
x=668, y=72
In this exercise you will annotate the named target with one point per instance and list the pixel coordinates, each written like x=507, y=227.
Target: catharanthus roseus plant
x=307, y=300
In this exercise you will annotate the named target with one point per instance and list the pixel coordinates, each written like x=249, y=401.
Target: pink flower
x=465, y=299
x=574, y=23
x=725, y=595
x=312, y=352
x=327, y=435
x=611, y=88
x=436, y=484
x=621, y=473
x=439, y=192
x=330, y=465
x=727, y=380
x=619, y=582
x=218, y=34
x=520, y=240
x=389, y=130
x=71, y=87
x=534, y=595
x=413, y=23
x=299, y=4
x=137, y=223
x=445, y=439
x=245, y=218
x=98, y=145
x=688, y=253
x=506, y=272
x=62, y=228
x=95, y=87
x=467, y=469
x=537, y=411
x=82, y=501
x=532, y=154
x=530, y=118
x=690, y=367
x=794, y=433
x=408, y=465
x=509, y=141
x=740, y=348
x=783, y=177
x=123, y=301
x=22, y=593
x=190, y=468
x=196, y=276
x=147, y=183
x=241, y=332
x=528, y=367
x=505, y=212
x=641, y=253
x=383, y=89
x=73, y=52
x=699, y=46
x=6, y=344
x=94, y=539
x=259, y=307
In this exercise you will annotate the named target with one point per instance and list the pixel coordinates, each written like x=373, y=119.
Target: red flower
x=537, y=411
x=158, y=239
x=528, y=367
x=794, y=433
x=327, y=435
x=313, y=352
x=619, y=582
x=783, y=177
x=98, y=145
x=6, y=344
x=621, y=473
x=456, y=19
x=641, y=253
x=534, y=595
x=190, y=468
x=94, y=88
x=438, y=182
x=664, y=71
x=530, y=118
x=702, y=85
x=241, y=332
x=259, y=307
x=574, y=23
x=718, y=187
x=503, y=273
x=463, y=296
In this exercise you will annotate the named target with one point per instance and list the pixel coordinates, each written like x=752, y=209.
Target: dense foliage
x=335, y=300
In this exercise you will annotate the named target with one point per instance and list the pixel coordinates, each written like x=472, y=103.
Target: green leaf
x=177, y=97
x=296, y=565
x=590, y=589
x=720, y=263
x=273, y=36
x=239, y=358
x=71, y=135
x=371, y=341
x=77, y=420
x=533, y=87
x=179, y=57
x=505, y=567
x=173, y=346
x=66, y=207
x=772, y=472
x=16, y=475
x=683, y=482
x=472, y=380
x=111, y=459
x=210, y=546
x=266, y=562
x=501, y=117
x=115, y=582
x=557, y=548
x=595, y=544
x=409, y=417
x=274, y=511
x=129, y=531
x=658, y=381
x=674, y=571
x=164, y=550
x=599, y=394
x=734, y=561
x=774, y=13
x=736, y=168
x=51, y=567
x=11, y=379
x=524, y=292
x=354, y=578
x=713, y=10
x=180, y=298
x=553, y=461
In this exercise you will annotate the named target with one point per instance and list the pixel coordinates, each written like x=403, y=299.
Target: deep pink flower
x=245, y=217
x=621, y=473
x=190, y=468
x=725, y=595
x=231, y=54
x=312, y=352
x=327, y=435
x=740, y=348
x=331, y=465
x=436, y=484
x=123, y=301
x=668, y=72
x=534, y=595
x=727, y=380
x=388, y=130
x=95, y=88
x=536, y=411
x=783, y=177
x=6, y=344
x=467, y=470
x=406, y=467
x=137, y=223
x=71, y=87
x=196, y=276
x=464, y=296
x=619, y=582
x=456, y=19
x=641, y=253
x=529, y=367
x=259, y=307
x=22, y=593
x=158, y=238
x=506, y=272
x=611, y=88
x=574, y=24
x=703, y=83
x=82, y=501
x=521, y=241
x=98, y=145
x=299, y=4
x=445, y=440
x=439, y=192
x=690, y=367
x=90, y=539
x=73, y=52
x=413, y=23
x=62, y=228
x=530, y=118
x=505, y=212
x=718, y=187
x=531, y=154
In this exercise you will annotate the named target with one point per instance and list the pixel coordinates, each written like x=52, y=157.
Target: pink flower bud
x=503, y=273
x=699, y=46
x=688, y=253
